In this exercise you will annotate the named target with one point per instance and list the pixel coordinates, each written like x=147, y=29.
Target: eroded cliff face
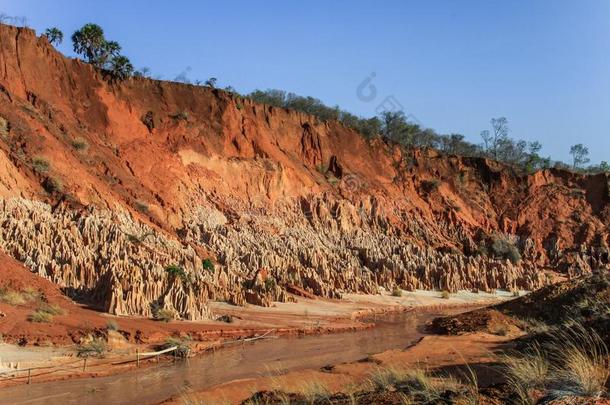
x=103, y=186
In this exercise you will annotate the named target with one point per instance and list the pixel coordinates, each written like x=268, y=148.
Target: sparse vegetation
x=141, y=206
x=93, y=347
x=148, y=120
x=208, y=265
x=430, y=185
x=505, y=248
x=314, y=391
x=181, y=116
x=79, y=144
x=112, y=325
x=270, y=283
x=165, y=315
x=40, y=316
x=52, y=185
x=13, y=297
x=445, y=294
x=4, y=127
x=182, y=344
x=45, y=313
x=52, y=309
x=40, y=164
x=574, y=363
x=396, y=292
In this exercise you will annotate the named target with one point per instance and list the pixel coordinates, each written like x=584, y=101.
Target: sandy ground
x=306, y=316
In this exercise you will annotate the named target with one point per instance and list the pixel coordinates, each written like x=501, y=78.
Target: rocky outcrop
x=105, y=185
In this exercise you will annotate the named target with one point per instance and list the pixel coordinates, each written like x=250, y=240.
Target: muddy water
x=157, y=383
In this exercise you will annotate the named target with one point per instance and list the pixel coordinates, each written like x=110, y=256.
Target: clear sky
x=543, y=64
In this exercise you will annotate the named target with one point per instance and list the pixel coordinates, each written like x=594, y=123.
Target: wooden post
x=29, y=375
x=138, y=357
x=84, y=364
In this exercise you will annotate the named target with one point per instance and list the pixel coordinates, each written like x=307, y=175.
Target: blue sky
x=545, y=65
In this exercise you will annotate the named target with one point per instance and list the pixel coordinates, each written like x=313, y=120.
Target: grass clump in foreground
x=412, y=381
x=574, y=363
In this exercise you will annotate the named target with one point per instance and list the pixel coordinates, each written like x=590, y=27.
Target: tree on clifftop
x=120, y=68
x=580, y=155
x=54, y=35
x=90, y=42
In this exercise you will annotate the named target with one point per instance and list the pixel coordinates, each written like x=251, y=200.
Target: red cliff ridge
x=103, y=186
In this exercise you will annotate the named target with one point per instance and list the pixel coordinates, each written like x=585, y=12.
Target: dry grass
x=40, y=316
x=40, y=164
x=527, y=372
x=413, y=381
x=94, y=347
x=14, y=297
x=574, y=363
x=165, y=315
x=50, y=308
x=314, y=391
x=45, y=313
x=580, y=363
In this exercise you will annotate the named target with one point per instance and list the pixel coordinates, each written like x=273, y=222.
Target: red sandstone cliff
x=102, y=186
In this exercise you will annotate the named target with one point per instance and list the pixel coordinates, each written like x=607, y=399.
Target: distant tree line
x=394, y=125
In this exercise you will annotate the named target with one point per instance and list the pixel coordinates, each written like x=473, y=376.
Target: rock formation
x=105, y=186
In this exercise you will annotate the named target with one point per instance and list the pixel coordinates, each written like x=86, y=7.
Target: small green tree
x=211, y=82
x=580, y=155
x=54, y=35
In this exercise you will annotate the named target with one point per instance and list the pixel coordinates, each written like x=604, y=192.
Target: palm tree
x=54, y=35
x=89, y=41
x=120, y=68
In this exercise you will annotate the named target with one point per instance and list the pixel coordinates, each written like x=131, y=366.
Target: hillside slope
x=103, y=186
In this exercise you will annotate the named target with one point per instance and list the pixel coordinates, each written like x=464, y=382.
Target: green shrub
x=174, y=270
x=40, y=164
x=270, y=284
x=208, y=264
x=445, y=295
x=397, y=292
